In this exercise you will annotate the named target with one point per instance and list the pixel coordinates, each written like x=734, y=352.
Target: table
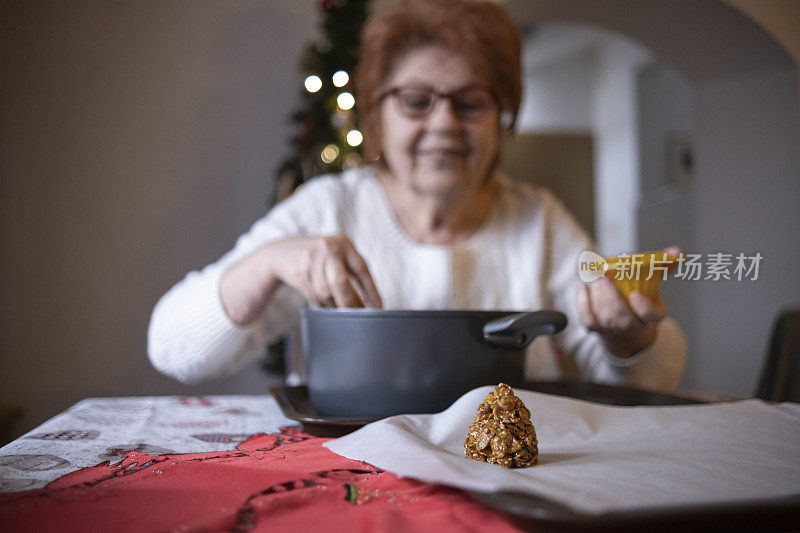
x=208, y=463
x=235, y=463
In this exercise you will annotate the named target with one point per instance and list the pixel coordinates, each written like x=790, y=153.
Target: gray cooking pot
x=377, y=363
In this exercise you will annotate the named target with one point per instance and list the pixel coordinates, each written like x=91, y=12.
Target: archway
x=745, y=184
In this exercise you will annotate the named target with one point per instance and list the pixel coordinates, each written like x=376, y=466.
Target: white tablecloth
x=104, y=429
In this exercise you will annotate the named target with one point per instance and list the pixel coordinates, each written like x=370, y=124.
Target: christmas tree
x=327, y=138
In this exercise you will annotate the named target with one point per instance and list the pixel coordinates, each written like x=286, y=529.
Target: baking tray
x=539, y=514
x=295, y=403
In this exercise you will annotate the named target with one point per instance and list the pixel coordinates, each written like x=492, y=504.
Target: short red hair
x=480, y=30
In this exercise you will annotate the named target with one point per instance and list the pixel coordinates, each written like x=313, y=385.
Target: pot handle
x=518, y=330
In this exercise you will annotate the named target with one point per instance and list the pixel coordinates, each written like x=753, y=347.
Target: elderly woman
x=431, y=224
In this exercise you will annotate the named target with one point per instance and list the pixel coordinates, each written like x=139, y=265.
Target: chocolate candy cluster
x=502, y=432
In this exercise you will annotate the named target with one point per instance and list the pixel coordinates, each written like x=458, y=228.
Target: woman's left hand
x=626, y=327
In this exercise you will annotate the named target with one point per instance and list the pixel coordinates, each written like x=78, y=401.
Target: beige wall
x=781, y=18
x=561, y=163
x=137, y=140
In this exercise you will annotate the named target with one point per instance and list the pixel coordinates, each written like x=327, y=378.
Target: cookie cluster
x=502, y=432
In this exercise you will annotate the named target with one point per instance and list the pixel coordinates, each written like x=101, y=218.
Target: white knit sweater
x=524, y=257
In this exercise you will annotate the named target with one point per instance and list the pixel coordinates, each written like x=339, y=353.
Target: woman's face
x=449, y=151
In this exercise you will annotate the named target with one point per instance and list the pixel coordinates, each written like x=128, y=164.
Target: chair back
x=780, y=375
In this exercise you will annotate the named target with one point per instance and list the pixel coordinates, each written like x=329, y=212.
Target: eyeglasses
x=470, y=104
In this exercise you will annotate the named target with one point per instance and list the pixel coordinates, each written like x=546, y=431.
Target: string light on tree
x=354, y=137
x=345, y=101
x=329, y=154
x=313, y=83
x=340, y=78
x=352, y=160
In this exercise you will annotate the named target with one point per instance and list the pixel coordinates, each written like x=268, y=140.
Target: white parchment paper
x=597, y=459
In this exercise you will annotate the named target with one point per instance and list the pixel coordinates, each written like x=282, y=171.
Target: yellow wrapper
x=639, y=272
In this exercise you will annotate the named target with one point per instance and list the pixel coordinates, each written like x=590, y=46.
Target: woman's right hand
x=326, y=270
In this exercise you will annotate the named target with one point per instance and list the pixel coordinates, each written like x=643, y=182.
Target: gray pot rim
x=404, y=313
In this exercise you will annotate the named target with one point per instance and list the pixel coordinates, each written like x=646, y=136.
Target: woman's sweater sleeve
x=658, y=367
x=192, y=339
